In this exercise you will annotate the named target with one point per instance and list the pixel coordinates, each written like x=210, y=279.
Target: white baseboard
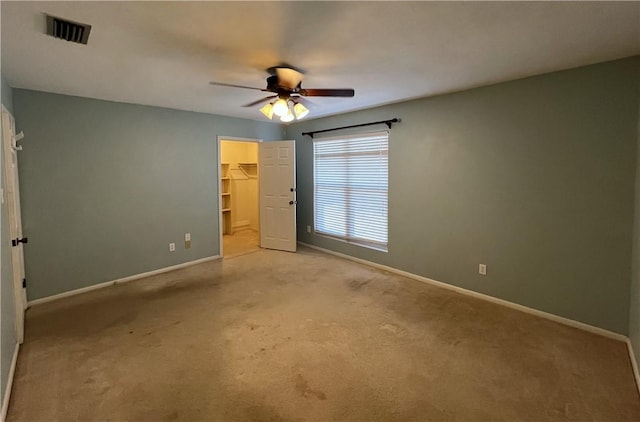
x=634, y=364
x=7, y=392
x=522, y=308
x=119, y=281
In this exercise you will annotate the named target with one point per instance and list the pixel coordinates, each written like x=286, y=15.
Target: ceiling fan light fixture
x=267, y=110
x=287, y=117
x=300, y=111
x=280, y=107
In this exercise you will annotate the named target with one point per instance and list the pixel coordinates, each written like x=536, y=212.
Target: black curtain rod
x=386, y=122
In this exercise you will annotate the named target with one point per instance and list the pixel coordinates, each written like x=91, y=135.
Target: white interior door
x=277, y=177
x=12, y=194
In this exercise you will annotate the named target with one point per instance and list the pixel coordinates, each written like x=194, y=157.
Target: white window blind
x=351, y=175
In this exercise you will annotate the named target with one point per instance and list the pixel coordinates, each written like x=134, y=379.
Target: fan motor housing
x=272, y=82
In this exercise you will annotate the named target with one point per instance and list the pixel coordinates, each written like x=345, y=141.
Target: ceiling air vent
x=68, y=30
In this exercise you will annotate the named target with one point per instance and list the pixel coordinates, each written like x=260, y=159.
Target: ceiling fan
x=285, y=82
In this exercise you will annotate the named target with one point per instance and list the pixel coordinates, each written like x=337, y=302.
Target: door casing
x=219, y=143
x=291, y=194
x=12, y=194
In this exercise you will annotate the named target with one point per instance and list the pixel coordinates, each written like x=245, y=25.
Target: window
x=351, y=175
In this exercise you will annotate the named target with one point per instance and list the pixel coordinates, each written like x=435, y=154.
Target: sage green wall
x=7, y=306
x=634, y=308
x=106, y=186
x=534, y=178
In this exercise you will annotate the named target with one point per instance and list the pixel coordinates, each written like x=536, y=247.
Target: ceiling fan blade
x=342, y=92
x=305, y=101
x=235, y=86
x=260, y=101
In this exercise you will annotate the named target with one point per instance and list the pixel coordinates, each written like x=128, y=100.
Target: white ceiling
x=165, y=53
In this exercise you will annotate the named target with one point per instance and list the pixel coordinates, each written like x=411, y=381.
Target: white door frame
x=220, y=224
x=12, y=192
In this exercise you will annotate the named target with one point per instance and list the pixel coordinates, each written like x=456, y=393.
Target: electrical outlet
x=172, y=247
x=187, y=244
x=308, y=229
x=482, y=269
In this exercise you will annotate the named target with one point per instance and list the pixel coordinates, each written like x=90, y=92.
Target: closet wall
x=242, y=158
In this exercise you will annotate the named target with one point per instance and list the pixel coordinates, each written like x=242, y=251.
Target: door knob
x=293, y=202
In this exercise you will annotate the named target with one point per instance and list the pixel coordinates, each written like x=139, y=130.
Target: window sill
x=367, y=245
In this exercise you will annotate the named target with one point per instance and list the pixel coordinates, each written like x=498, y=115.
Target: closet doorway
x=239, y=196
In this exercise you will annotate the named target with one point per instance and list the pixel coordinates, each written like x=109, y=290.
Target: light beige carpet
x=274, y=336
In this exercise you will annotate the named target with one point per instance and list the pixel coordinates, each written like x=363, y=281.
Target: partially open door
x=277, y=177
x=12, y=194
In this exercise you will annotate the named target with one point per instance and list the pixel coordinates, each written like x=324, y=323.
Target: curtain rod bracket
x=386, y=122
x=392, y=121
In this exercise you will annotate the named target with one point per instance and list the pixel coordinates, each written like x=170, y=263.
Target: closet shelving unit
x=225, y=198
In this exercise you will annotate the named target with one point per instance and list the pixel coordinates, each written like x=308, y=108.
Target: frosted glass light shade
x=287, y=117
x=280, y=107
x=267, y=110
x=300, y=111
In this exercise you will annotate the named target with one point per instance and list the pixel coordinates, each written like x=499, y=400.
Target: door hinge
x=24, y=283
x=15, y=242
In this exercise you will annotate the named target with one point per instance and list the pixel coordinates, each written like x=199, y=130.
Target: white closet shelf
x=250, y=169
